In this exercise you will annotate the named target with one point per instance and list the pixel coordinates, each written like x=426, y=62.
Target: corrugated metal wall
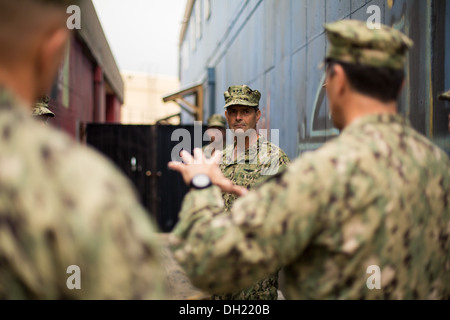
x=276, y=46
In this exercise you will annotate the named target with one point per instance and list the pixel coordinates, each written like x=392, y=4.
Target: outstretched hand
x=198, y=164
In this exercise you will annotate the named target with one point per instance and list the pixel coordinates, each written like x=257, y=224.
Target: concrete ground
x=180, y=288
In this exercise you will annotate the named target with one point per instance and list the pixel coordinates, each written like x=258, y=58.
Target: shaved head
x=23, y=21
x=33, y=38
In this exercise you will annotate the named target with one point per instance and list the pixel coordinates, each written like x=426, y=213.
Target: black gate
x=142, y=152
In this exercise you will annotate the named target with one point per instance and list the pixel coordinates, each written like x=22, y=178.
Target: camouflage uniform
x=61, y=204
x=262, y=159
x=40, y=108
x=377, y=195
x=215, y=121
x=259, y=161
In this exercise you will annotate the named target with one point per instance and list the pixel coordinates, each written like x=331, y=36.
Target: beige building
x=143, y=99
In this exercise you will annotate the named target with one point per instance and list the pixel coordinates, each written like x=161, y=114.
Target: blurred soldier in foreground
x=41, y=109
x=62, y=205
x=366, y=216
x=216, y=130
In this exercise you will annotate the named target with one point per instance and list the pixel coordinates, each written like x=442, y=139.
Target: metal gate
x=142, y=152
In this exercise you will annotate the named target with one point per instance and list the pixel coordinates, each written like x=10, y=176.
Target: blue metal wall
x=276, y=46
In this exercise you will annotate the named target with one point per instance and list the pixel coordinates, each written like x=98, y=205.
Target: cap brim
x=445, y=96
x=47, y=112
x=238, y=102
x=216, y=124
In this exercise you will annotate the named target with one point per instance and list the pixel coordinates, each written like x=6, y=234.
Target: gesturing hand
x=200, y=164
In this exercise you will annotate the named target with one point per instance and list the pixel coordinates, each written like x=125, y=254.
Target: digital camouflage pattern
x=40, y=108
x=377, y=195
x=241, y=95
x=259, y=161
x=353, y=42
x=61, y=204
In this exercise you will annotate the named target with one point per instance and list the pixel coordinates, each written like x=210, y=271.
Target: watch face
x=201, y=181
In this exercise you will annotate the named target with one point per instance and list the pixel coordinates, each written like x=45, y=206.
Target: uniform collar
x=384, y=118
x=250, y=154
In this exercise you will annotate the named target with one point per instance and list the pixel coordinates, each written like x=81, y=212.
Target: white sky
x=143, y=34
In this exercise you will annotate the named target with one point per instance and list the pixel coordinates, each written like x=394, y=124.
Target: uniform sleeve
x=77, y=229
x=117, y=247
x=276, y=163
x=265, y=230
x=284, y=161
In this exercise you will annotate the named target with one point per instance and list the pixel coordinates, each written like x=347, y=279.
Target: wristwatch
x=200, y=181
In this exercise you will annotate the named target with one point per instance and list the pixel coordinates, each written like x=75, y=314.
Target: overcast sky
x=143, y=34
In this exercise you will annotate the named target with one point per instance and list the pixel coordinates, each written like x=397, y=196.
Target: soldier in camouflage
x=245, y=165
x=216, y=130
x=41, y=109
x=377, y=197
x=61, y=204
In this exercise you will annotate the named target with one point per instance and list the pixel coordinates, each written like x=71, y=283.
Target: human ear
x=258, y=115
x=50, y=54
x=339, y=80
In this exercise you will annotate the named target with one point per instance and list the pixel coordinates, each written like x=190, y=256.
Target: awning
x=195, y=109
x=166, y=119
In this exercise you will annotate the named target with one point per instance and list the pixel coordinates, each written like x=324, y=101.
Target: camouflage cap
x=241, y=95
x=352, y=41
x=41, y=107
x=445, y=96
x=217, y=120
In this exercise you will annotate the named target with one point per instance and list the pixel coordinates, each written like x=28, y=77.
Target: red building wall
x=78, y=95
x=72, y=96
x=112, y=109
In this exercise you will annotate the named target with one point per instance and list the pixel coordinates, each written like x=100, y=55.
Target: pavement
x=180, y=287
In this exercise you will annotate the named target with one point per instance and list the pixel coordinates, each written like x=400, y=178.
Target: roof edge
x=186, y=18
